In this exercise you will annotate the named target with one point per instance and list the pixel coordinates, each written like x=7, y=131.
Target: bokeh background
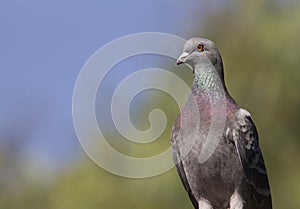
x=43, y=46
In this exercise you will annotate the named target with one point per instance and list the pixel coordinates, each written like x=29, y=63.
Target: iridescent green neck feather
x=207, y=79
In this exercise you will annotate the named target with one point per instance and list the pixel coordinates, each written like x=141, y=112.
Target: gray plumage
x=234, y=176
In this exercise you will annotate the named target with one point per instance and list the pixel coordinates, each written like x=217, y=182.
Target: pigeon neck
x=209, y=84
x=207, y=79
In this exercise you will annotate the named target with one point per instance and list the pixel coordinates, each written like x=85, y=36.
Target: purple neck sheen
x=208, y=87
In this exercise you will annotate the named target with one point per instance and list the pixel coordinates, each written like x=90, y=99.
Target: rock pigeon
x=233, y=175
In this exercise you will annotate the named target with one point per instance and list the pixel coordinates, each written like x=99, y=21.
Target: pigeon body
x=234, y=175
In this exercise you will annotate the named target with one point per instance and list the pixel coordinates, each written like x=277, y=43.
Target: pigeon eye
x=200, y=47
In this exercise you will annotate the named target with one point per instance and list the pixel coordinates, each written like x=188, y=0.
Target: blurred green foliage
x=260, y=49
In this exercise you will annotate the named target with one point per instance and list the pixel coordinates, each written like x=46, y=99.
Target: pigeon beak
x=182, y=57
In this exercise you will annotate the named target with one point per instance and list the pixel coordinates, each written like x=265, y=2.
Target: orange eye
x=200, y=47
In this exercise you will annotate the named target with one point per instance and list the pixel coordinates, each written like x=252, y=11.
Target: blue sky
x=43, y=46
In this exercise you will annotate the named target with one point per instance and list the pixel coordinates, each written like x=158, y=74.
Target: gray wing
x=180, y=167
x=244, y=134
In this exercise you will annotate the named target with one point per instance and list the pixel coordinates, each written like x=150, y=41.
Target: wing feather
x=180, y=167
x=244, y=134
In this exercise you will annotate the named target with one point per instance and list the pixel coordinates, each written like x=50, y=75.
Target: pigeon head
x=201, y=51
